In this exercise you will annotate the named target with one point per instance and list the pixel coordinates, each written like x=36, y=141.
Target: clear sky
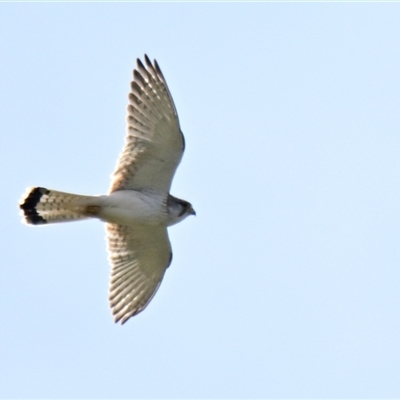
x=286, y=284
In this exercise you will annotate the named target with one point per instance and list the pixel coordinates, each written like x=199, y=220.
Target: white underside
x=131, y=207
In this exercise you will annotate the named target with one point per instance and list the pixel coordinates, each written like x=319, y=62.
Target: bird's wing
x=154, y=142
x=139, y=257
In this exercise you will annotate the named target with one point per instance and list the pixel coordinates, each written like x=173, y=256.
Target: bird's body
x=138, y=208
x=132, y=207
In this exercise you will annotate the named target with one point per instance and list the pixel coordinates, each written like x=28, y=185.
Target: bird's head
x=179, y=209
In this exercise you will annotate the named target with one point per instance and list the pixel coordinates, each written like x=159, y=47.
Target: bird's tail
x=42, y=206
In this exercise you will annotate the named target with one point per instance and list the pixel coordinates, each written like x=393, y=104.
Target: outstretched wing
x=139, y=257
x=154, y=143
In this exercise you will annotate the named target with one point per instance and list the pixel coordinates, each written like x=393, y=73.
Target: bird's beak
x=192, y=212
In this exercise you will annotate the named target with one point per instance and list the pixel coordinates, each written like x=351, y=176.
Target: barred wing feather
x=154, y=143
x=139, y=257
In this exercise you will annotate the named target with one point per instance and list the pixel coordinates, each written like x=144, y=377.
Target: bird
x=138, y=208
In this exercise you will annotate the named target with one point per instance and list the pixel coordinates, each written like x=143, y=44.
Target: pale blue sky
x=286, y=284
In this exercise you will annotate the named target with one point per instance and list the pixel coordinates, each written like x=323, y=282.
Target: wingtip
x=158, y=69
x=122, y=318
x=147, y=60
x=139, y=63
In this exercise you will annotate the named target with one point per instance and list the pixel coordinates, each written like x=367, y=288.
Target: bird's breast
x=133, y=207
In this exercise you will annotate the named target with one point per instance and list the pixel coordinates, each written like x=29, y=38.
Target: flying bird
x=138, y=208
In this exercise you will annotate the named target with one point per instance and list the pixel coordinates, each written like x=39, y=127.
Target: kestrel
x=138, y=208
